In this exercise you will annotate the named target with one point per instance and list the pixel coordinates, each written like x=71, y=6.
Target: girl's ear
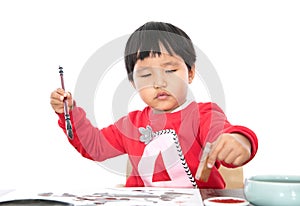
x=191, y=74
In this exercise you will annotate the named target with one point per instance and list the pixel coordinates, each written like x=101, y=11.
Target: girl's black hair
x=147, y=41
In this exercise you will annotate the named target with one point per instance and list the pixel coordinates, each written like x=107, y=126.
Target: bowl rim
x=273, y=178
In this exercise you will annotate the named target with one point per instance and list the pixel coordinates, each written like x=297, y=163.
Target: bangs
x=149, y=44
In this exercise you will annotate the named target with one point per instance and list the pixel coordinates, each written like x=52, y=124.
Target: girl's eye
x=171, y=71
x=145, y=75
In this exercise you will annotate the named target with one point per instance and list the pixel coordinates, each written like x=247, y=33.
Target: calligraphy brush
x=66, y=110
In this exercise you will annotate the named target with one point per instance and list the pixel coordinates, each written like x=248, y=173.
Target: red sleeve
x=89, y=141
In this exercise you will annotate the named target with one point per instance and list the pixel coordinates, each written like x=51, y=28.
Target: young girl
x=165, y=140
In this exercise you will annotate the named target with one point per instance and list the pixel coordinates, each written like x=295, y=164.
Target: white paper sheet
x=137, y=196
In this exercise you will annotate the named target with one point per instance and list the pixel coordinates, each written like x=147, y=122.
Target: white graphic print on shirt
x=163, y=143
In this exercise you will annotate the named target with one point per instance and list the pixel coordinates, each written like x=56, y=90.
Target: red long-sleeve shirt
x=156, y=163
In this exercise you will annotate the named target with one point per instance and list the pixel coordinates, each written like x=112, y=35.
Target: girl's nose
x=159, y=82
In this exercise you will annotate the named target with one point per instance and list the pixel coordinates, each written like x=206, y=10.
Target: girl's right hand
x=57, y=100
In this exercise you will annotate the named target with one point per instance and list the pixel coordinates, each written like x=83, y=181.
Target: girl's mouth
x=162, y=95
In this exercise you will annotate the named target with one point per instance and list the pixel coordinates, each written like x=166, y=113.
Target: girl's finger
x=214, y=153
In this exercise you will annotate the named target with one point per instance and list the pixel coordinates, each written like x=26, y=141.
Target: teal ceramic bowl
x=273, y=190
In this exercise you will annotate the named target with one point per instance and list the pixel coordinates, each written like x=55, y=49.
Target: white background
x=253, y=45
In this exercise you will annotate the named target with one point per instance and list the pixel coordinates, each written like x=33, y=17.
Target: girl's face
x=162, y=81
